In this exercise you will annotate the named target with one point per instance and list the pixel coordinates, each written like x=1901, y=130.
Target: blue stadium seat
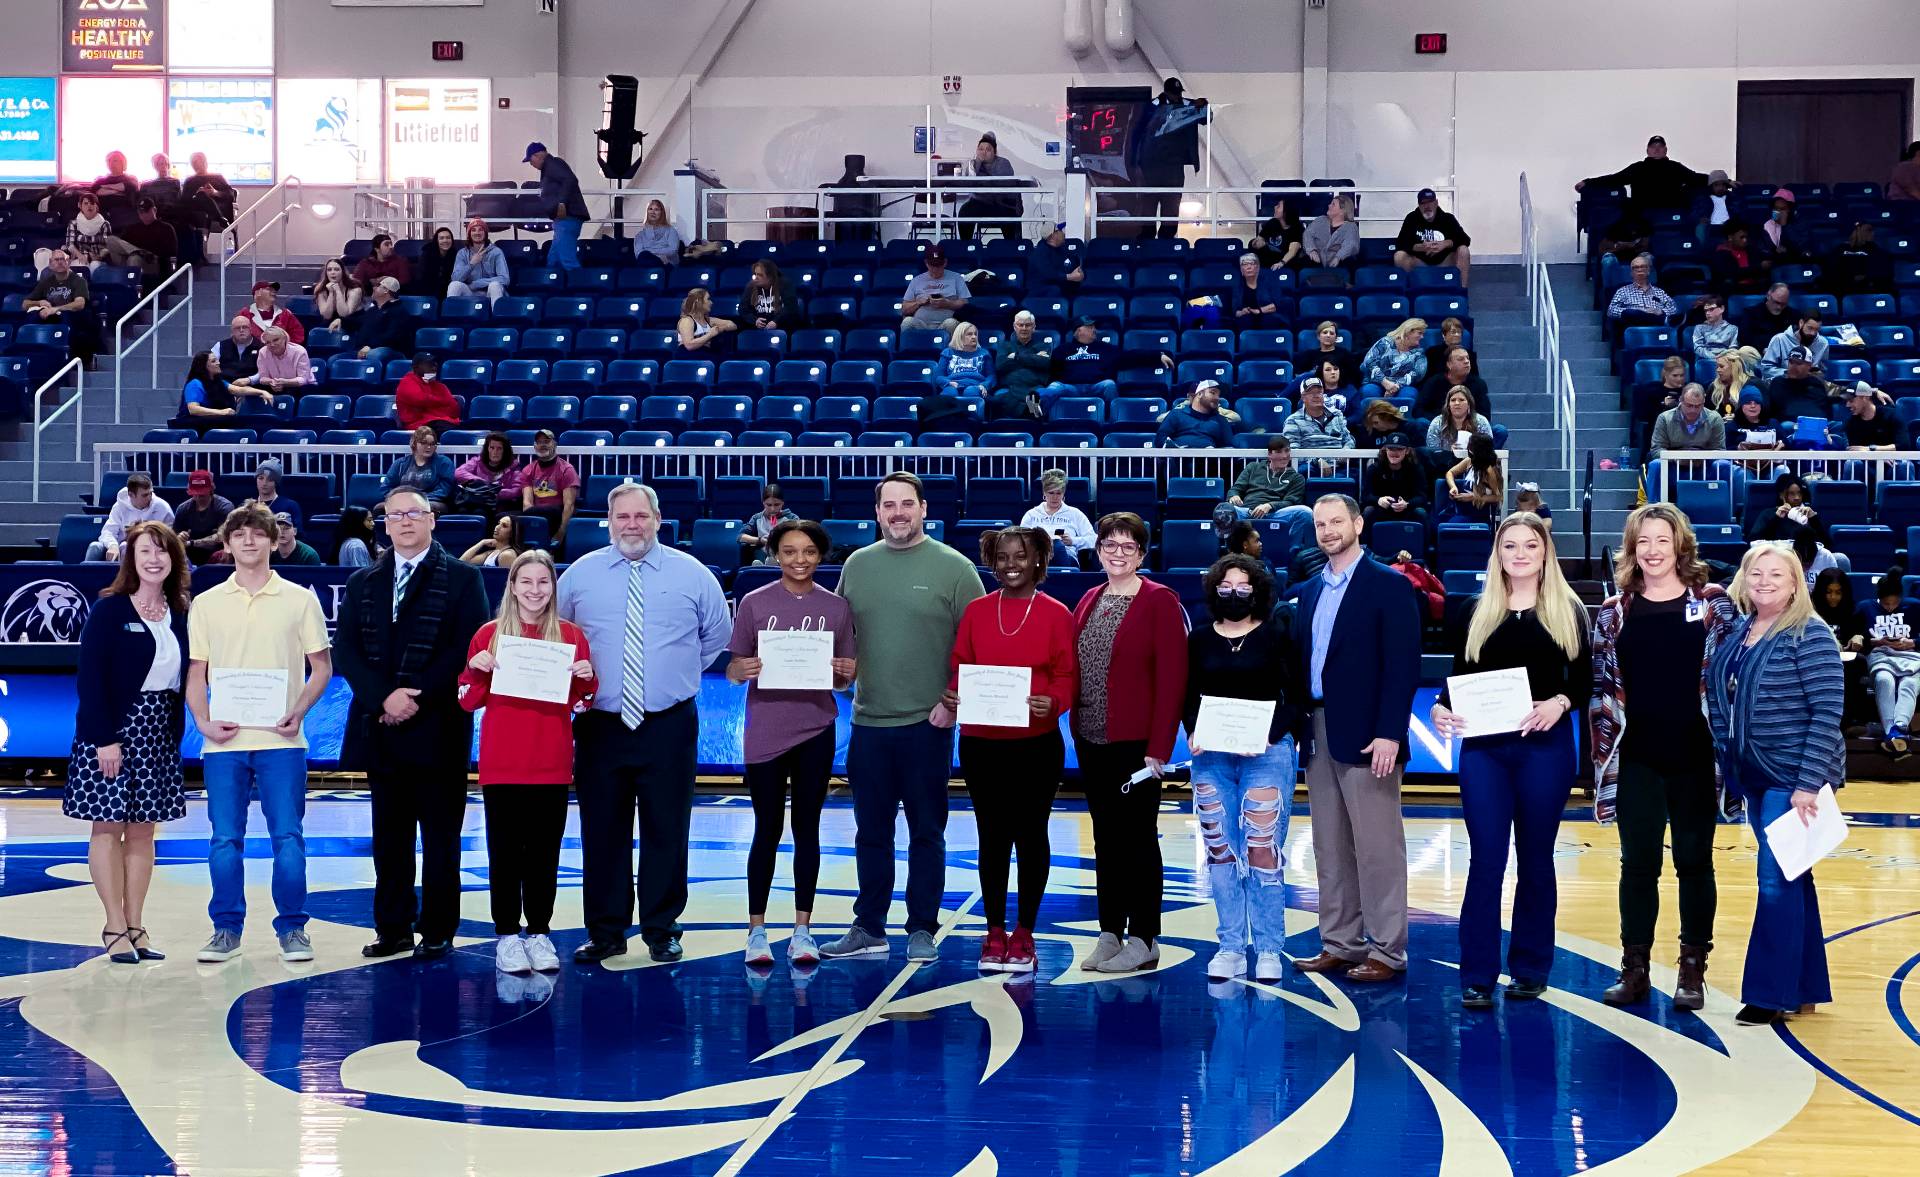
x=521, y=377
x=664, y=411
x=493, y=411
x=1870, y=548
x=548, y=411
x=781, y=412
x=855, y=377
x=768, y=346
x=687, y=377
x=1193, y=498
x=1188, y=545
x=1067, y=440
x=600, y=343
x=646, y=438
x=1705, y=501
x=724, y=409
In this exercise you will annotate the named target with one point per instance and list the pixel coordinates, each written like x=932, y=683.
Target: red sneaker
x=1019, y=952
x=993, y=954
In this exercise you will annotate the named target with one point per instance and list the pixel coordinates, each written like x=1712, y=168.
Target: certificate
x=1491, y=702
x=1797, y=846
x=995, y=696
x=250, y=698
x=528, y=668
x=796, y=660
x=1236, y=726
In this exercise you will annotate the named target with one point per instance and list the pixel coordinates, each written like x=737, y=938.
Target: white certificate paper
x=1492, y=701
x=995, y=696
x=1796, y=846
x=796, y=660
x=250, y=698
x=528, y=668
x=1235, y=726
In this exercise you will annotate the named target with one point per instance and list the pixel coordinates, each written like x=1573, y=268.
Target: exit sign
x=1429, y=42
x=449, y=50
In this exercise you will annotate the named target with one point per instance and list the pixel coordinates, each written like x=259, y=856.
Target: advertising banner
x=99, y=115
x=439, y=128
x=231, y=119
x=29, y=131
x=220, y=36
x=113, y=36
x=330, y=129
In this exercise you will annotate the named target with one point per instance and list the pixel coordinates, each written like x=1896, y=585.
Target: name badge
x=1696, y=609
x=136, y=627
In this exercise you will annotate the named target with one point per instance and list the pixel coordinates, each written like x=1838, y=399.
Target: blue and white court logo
x=43, y=611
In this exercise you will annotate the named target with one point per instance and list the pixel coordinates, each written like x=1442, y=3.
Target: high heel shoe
x=135, y=936
x=109, y=939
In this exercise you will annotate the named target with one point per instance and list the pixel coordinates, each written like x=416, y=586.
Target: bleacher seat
x=1869, y=547
x=494, y=412
x=547, y=411
x=1188, y=545
x=716, y=542
x=1705, y=501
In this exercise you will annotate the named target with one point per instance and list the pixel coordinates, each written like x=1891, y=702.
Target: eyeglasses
x=1233, y=590
x=1118, y=548
x=413, y=515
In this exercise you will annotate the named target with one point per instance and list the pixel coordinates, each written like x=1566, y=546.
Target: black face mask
x=1233, y=608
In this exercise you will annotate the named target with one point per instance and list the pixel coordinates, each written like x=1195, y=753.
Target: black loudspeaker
x=619, y=148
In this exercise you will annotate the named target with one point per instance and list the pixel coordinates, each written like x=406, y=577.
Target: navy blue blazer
x=1373, y=659
x=116, y=651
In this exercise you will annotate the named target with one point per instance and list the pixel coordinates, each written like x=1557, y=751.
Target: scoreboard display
x=1101, y=122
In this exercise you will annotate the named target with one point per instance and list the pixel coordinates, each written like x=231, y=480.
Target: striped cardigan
x=1785, y=715
x=1608, y=708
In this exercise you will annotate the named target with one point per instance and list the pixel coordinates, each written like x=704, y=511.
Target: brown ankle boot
x=1690, y=992
x=1633, y=984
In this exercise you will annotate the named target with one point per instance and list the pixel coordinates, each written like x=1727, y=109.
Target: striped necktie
x=400, y=577
x=633, y=662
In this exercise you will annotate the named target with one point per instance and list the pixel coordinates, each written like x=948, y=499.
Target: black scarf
x=375, y=616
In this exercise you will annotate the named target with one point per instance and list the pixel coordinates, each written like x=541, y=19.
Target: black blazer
x=116, y=652
x=1373, y=659
x=441, y=734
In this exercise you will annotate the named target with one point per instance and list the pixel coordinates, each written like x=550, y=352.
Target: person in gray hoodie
x=136, y=503
x=1333, y=239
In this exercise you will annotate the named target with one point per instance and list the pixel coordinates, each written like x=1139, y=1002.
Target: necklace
x=1000, y=620
x=151, y=611
x=1235, y=646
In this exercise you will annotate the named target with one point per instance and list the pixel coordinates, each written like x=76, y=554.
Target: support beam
x=1314, y=106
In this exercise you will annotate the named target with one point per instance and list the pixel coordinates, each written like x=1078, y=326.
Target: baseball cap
x=1718, y=176
x=264, y=285
x=1175, y=86
x=1312, y=382
x=540, y=433
x=200, y=480
x=1396, y=441
x=1862, y=388
x=1424, y=195
x=1204, y=385
x=1785, y=194
x=534, y=148
x=283, y=519
x=936, y=254
x=1799, y=355
x=390, y=284
x=1060, y=224
x=1660, y=139
x=1086, y=321
x=146, y=205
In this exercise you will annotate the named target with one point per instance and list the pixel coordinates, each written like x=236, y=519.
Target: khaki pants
x=1360, y=854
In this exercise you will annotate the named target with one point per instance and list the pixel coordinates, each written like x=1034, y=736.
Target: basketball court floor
x=346, y=1066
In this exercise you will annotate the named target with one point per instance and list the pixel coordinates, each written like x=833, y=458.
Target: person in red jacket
x=1012, y=773
x=265, y=311
x=1132, y=649
x=421, y=398
x=526, y=764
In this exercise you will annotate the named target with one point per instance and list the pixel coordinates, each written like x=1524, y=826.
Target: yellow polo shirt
x=273, y=629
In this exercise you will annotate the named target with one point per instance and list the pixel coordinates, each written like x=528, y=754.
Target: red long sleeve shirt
x=416, y=402
x=1042, y=640
x=524, y=741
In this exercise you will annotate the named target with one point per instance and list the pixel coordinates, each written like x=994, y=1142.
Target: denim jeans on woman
x=1787, y=951
x=1249, y=898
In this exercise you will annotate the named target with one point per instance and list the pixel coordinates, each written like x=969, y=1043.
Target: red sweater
x=417, y=402
x=1147, y=671
x=1044, y=641
x=523, y=741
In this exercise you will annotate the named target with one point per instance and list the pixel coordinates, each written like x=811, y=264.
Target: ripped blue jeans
x=1242, y=803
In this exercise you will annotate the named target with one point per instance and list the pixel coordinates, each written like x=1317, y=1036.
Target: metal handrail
x=1543, y=312
x=1871, y=466
x=254, y=209
x=254, y=261
x=79, y=420
x=122, y=354
x=372, y=194
x=1212, y=217
x=1044, y=197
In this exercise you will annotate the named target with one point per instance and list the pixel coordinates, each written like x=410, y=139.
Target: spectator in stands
x=208, y=394
x=1628, y=237
x=1278, y=240
x=548, y=485
x=1526, y=497
x=1453, y=333
x=1333, y=383
x=1024, y=365
x=559, y=191
x=1732, y=371
x=483, y=484
x=335, y=299
x=1054, y=266
x=934, y=297
x=1887, y=625
x=62, y=296
x=1656, y=181
x=1791, y=514
x=1314, y=425
x=1243, y=539
x=1767, y=318
x=1252, y=300
x=207, y=195
x=1459, y=372
x=1456, y=417
x=656, y=241
x=1905, y=181
x=1869, y=427
x=1859, y=265
x=1066, y=525
x=282, y=365
x=498, y=548
x=387, y=327
x=265, y=311
x=1167, y=145
x=424, y=470
x=1688, y=425
x=1735, y=269
x=1200, y=423
x=1379, y=419
x=118, y=183
x=198, y=520
x=701, y=333
x=768, y=302
x=287, y=547
x=1430, y=237
x=1777, y=241
x=756, y=538
x=163, y=189
x=1333, y=239
x=356, y=546
x=1716, y=335
x=266, y=490
x=422, y=398
x=1397, y=485
x=1133, y=677
x=1395, y=360
x=1270, y=489
x=239, y=352
x=152, y=243
x=437, y=263
x=1083, y=366
x=1750, y=428
x=1476, y=487
x=1805, y=336
x=1799, y=391
x=382, y=261
x=479, y=267
x=964, y=367
x=1327, y=347
x=1640, y=303
x=1710, y=210
x=1000, y=210
x=135, y=503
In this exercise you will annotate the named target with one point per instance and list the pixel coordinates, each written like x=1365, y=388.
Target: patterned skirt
x=149, y=786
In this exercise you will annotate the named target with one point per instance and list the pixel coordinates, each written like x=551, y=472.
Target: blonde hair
x=1671, y=365
x=1419, y=325
x=510, y=622
x=1559, y=610
x=1686, y=549
x=696, y=303
x=963, y=331
x=1799, y=608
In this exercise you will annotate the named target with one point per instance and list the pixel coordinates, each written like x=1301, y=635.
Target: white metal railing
x=1815, y=466
x=285, y=190
x=74, y=402
x=1041, y=205
x=1214, y=218
x=408, y=210
x=246, y=249
x=1544, y=315
x=125, y=352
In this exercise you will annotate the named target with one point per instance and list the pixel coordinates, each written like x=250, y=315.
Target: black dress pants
x=432, y=803
x=618, y=774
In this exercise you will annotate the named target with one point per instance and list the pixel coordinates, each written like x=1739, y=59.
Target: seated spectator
x=1869, y=427
x=198, y=520
x=1430, y=237
x=1476, y=489
x=1252, y=300
x=1731, y=372
x=207, y=393
x=1716, y=335
x=1710, y=209
x=356, y=546
x=1270, y=489
x=1777, y=241
x=1198, y=423
x=548, y=484
x=1243, y=539
x=239, y=352
x=480, y=267
x=335, y=299
x=1629, y=235
x=1799, y=391
x=1656, y=181
x=1859, y=265
x=1459, y=372
x=1456, y=422
x=1688, y=425
x=1083, y=366
x=207, y=196
x=118, y=184
x=1791, y=513
x=89, y=237
x=498, y=548
x=1067, y=524
x=1805, y=336
x=1379, y=420
x=1767, y=318
x=701, y=332
x=1333, y=382
x=656, y=241
x=1735, y=268
x=1278, y=240
x=964, y=367
x=151, y=243
x=1327, y=347
x=484, y=483
x=1640, y=303
x=283, y=365
x=1427, y=587
x=1833, y=603
x=424, y=469
x=768, y=302
x=288, y=547
x=1904, y=184
x=1024, y=366
x=1315, y=425
x=1886, y=626
x=383, y=261
x=934, y=297
x=1526, y=497
x=756, y=537
x=163, y=189
x=422, y=398
x=134, y=503
x=1333, y=239
x=1815, y=556
x=61, y=296
x=387, y=327
x=1453, y=333
x=265, y=311
x=437, y=263
x=1001, y=210
x=266, y=489
x=1054, y=267
x=1652, y=399
x=1395, y=360
x=1397, y=485
x=1750, y=428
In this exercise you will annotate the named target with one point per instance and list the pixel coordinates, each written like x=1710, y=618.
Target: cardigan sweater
x=1042, y=640
x=1147, y=672
x=116, y=651
x=525, y=741
x=1784, y=714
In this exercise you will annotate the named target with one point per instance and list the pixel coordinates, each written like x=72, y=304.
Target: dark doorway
x=1822, y=131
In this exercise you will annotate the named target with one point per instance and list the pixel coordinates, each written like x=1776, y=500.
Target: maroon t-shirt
x=781, y=720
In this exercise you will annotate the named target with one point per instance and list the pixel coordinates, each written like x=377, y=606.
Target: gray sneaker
x=1134, y=955
x=295, y=946
x=920, y=947
x=222, y=945
x=857, y=942
x=1104, y=949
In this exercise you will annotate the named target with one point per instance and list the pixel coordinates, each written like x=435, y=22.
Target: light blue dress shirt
x=1333, y=590
x=687, y=623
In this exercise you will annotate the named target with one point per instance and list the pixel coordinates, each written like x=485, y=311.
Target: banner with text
x=439, y=128
x=29, y=130
x=231, y=119
x=113, y=36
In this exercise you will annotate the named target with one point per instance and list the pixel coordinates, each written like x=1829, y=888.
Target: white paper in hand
x=528, y=668
x=247, y=697
x=1492, y=701
x=1797, y=845
x=1238, y=727
x=796, y=660
x=995, y=696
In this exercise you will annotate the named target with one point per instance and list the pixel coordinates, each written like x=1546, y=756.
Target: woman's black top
x=1661, y=651
x=1278, y=237
x=1521, y=641
x=1254, y=665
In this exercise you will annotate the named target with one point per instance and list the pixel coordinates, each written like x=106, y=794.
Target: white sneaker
x=757, y=951
x=539, y=987
x=541, y=954
x=1267, y=967
x=510, y=955
x=801, y=949
x=1225, y=966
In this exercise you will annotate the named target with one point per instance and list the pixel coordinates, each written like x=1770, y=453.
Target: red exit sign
x=1429, y=42
x=451, y=50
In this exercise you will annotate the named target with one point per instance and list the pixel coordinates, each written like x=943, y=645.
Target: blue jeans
x=1298, y=518
x=891, y=768
x=1246, y=853
x=384, y=356
x=1787, y=952
x=1512, y=787
x=280, y=776
x=1104, y=389
x=563, y=251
